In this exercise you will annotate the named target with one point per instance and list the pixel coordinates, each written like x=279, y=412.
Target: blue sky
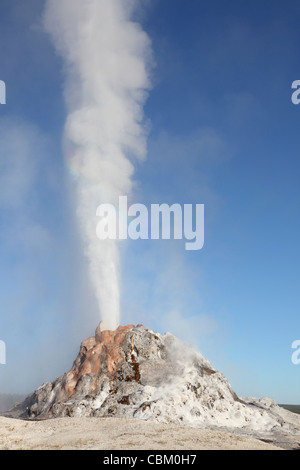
x=223, y=132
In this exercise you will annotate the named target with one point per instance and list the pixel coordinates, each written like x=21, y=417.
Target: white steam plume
x=106, y=58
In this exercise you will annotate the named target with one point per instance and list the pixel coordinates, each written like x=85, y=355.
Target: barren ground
x=116, y=434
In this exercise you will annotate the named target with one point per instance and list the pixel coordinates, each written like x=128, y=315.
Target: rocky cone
x=134, y=372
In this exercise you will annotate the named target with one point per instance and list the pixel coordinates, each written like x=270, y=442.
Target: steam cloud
x=106, y=60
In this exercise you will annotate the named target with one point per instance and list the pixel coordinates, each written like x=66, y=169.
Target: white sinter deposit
x=134, y=372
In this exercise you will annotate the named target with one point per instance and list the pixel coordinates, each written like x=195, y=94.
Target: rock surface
x=117, y=434
x=134, y=372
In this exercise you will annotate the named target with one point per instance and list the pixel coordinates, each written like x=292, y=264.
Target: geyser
x=106, y=60
x=137, y=373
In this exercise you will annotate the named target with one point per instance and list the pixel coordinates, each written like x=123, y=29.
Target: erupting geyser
x=106, y=59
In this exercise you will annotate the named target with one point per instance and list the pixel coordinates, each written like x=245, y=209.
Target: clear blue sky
x=224, y=133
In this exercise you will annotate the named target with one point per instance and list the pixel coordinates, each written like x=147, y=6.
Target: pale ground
x=116, y=434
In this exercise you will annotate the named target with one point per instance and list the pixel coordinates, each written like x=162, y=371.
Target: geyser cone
x=134, y=372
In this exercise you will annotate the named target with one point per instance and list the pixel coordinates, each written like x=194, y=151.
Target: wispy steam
x=106, y=60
